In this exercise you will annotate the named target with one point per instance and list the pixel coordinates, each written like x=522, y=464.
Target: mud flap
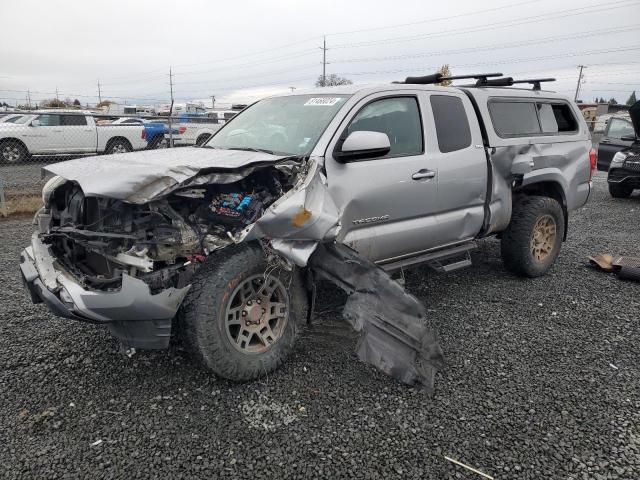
x=395, y=335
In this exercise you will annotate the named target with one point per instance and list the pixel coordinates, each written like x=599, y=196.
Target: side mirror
x=628, y=138
x=361, y=145
x=35, y=123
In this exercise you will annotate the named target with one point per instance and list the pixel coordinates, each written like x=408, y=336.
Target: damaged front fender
x=300, y=219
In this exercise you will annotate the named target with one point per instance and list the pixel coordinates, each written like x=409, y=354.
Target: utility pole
x=57, y=94
x=575, y=98
x=170, y=108
x=29, y=99
x=213, y=101
x=292, y=89
x=99, y=93
x=324, y=61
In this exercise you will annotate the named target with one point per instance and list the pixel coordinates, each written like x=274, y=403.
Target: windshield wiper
x=252, y=149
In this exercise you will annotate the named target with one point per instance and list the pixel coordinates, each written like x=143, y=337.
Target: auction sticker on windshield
x=322, y=101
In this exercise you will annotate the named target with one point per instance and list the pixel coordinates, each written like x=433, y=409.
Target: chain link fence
x=30, y=140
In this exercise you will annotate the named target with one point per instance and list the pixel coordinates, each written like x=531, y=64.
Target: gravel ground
x=542, y=381
x=25, y=174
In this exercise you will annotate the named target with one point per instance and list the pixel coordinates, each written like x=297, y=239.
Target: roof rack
x=438, y=77
x=508, y=81
x=535, y=82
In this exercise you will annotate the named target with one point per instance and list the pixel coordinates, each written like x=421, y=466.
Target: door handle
x=420, y=174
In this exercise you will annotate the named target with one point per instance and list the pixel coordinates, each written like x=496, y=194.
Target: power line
x=433, y=20
x=385, y=27
x=495, y=25
x=277, y=59
x=296, y=68
x=536, y=41
x=501, y=62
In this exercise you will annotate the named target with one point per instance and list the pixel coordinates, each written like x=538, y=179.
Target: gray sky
x=243, y=50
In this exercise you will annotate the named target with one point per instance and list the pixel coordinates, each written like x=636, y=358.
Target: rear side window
x=73, y=120
x=556, y=118
x=452, y=124
x=399, y=118
x=49, y=120
x=514, y=118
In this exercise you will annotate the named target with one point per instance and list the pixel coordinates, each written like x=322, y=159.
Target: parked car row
x=66, y=132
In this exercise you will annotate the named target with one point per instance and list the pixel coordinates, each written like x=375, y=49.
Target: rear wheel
x=620, y=191
x=156, y=142
x=13, y=152
x=118, y=146
x=241, y=318
x=531, y=243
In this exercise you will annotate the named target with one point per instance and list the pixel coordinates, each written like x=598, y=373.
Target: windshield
x=288, y=125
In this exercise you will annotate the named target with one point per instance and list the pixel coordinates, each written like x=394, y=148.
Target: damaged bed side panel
x=396, y=336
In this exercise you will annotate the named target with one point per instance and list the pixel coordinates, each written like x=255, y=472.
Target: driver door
x=388, y=203
x=47, y=136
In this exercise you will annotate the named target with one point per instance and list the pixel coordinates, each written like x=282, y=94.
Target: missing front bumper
x=133, y=314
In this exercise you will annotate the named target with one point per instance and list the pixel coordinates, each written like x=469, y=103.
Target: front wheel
x=13, y=152
x=241, y=318
x=531, y=243
x=620, y=191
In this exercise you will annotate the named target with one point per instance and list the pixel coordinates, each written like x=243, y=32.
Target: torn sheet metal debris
x=396, y=336
x=626, y=268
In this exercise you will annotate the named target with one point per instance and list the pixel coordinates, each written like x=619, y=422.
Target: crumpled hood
x=634, y=112
x=137, y=177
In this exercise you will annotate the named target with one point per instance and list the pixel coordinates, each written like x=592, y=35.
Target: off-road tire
x=12, y=152
x=516, y=242
x=118, y=146
x=202, y=315
x=620, y=191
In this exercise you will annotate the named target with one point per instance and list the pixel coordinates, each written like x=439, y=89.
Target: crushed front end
x=129, y=266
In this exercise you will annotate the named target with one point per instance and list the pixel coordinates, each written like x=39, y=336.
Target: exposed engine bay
x=160, y=242
x=123, y=250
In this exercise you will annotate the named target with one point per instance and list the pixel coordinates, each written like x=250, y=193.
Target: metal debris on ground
x=396, y=336
x=626, y=268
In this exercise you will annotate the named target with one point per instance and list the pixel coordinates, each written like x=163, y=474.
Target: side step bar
x=444, y=260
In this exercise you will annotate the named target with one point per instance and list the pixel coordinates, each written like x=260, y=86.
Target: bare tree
x=332, y=81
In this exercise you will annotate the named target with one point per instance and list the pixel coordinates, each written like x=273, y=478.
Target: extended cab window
x=398, y=117
x=514, y=118
x=556, y=118
x=73, y=120
x=49, y=120
x=452, y=125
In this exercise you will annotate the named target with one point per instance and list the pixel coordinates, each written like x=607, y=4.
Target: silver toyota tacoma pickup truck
x=224, y=243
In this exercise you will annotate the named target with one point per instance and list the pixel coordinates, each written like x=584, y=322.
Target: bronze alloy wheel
x=257, y=314
x=543, y=238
